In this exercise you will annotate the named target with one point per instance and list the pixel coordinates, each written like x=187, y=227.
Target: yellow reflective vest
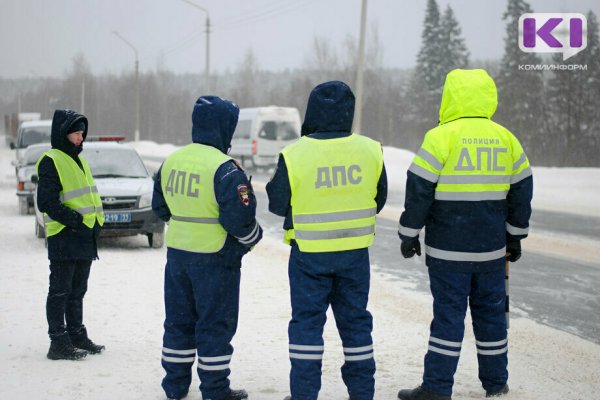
x=333, y=187
x=78, y=192
x=187, y=181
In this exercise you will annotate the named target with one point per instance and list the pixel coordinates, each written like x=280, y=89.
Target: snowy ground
x=124, y=311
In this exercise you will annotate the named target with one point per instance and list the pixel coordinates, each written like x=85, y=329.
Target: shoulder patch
x=243, y=194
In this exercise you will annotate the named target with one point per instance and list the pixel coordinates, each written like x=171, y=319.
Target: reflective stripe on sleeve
x=410, y=232
x=423, y=173
x=251, y=237
x=519, y=162
x=513, y=230
x=521, y=175
x=430, y=158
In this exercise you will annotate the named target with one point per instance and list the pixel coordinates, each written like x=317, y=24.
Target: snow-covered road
x=124, y=311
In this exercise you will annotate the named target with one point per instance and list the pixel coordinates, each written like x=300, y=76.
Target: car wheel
x=39, y=231
x=23, y=206
x=156, y=240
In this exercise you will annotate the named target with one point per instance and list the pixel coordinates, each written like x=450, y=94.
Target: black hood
x=330, y=108
x=61, y=122
x=213, y=122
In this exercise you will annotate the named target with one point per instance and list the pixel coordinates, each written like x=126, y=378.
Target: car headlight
x=146, y=200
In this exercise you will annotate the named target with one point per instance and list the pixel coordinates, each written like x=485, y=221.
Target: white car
x=25, y=169
x=32, y=132
x=125, y=187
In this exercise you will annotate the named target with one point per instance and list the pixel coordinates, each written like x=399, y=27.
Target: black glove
x=513, y=251
x=410, y=247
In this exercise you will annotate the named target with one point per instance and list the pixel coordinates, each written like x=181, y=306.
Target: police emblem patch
x=243, y=194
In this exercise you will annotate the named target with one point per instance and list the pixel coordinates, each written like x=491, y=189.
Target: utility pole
x=207, y=24
x=82, y=106
x=137, y=87
x=360, y=69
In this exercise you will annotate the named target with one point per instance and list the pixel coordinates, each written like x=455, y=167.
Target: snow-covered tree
x=442, y=50
x=454, y=53
x=574, y=104
x=520, y=101
x=429, y=71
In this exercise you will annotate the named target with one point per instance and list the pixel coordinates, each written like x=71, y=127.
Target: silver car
x=125, y=187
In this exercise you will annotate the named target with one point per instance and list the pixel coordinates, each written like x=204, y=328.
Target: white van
x=262, y=132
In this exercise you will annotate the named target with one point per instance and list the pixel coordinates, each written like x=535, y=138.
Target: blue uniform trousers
x=201, y=306
x=485, y=293
x=317, y=280
x=68, y=285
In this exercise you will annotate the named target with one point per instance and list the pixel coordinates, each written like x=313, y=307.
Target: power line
x=275, y=9
x=269, y=11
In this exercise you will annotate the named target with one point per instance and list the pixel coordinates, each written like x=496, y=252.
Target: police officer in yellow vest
x=329, y=186
x=73, y=216
x=470, y=186
x=211, y=207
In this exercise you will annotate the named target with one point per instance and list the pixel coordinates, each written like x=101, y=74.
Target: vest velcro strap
x=334, y=216
x=195, y=220
x=334, y=234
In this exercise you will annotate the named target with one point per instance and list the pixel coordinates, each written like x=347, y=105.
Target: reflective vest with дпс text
x=78, y=192
x=187, y=181
x=333, y=186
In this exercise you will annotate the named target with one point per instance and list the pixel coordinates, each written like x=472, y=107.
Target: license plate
x=117, y=217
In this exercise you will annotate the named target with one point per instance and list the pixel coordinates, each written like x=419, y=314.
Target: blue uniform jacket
x=214, y=121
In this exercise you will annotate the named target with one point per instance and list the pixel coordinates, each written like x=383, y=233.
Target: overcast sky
x=41, y=37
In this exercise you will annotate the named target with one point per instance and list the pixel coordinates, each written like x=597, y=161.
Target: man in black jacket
x=73, y=219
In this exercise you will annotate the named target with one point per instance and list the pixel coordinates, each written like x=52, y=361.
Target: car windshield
x=35, y=134
x=115, y=163
x=278, y=130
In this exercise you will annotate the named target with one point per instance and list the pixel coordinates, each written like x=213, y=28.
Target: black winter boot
x=236, y=395
x=61, y=350
x=420, y=394
x=89, y=346
x=498, y=393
